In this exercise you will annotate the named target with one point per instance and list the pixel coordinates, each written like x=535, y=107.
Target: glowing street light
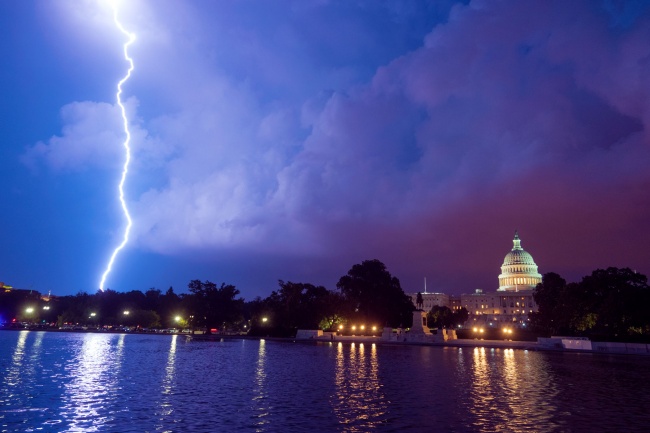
x=47, y=307
x=265, y=319
x=127, y=312
x=29, y=310
x=177, y=319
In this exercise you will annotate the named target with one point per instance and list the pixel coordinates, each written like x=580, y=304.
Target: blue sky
x=293, y=139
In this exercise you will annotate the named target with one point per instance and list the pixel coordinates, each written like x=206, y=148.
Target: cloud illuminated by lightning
x=127, y=148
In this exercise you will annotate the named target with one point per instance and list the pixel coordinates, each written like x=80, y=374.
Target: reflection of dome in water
x=519, y=271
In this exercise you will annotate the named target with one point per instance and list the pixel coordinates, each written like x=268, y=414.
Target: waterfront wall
x=642, y=349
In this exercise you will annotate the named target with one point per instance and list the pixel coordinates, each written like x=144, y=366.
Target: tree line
x=610, y=304
x=368, y=295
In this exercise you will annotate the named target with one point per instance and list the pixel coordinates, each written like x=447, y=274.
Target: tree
x=548, y=295
x=374, y=295
x=460, y=316
x=212, y=306
x=444, y=317
x=297, y=306
x=440, y=317
x=609, y=303
x=618, y=301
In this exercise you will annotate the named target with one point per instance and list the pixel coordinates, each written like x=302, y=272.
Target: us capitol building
x=509, y=304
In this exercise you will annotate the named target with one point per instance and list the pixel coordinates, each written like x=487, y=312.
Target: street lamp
x=29, y=310
x=127, y=312
x=265, y=319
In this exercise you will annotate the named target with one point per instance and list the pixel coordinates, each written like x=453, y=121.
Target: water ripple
x=140, y=383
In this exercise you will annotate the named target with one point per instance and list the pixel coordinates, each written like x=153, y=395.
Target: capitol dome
x=519, y=271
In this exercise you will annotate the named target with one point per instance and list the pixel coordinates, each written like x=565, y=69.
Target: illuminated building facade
x=498, y=308
x=513, y=301
x=429, y=300
x=510, y=304
x=519, y=271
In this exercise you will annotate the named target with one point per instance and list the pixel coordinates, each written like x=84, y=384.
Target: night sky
x=293, y=139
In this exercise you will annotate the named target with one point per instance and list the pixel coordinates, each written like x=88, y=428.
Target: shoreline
x=459, y=343
x=602, y=348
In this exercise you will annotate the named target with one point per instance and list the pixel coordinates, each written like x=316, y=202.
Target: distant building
x=510, y=304
x=513, y=301
x=519, y=271
x=455, y=303
x=429, y=300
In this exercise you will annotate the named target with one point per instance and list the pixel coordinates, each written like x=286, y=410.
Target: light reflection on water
x=13, y=376
x=93, y=371
x=260, y=393
x=166, y=408
x=54, y=382
x=509, y=389
x=359, y=402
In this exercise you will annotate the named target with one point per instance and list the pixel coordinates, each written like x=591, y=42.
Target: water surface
x=68, y=382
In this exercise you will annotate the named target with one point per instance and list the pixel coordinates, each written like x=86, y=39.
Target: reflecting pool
x=68, y=382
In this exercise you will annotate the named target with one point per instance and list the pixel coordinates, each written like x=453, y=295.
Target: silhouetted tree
x=374, y=295
x=460, y=316
x=608, y=303
x=440, y=317
x=548, y=295
x=212, y=306
x=298, y=306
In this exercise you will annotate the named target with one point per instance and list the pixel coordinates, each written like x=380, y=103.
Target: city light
x=265, y=319
x=127, y=312
x=47, y=307
x=29, y=310
x=177, y=318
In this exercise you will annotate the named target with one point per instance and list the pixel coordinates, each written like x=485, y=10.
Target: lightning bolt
x=127, y=148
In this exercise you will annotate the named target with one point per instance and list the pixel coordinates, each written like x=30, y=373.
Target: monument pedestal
x=420, y=323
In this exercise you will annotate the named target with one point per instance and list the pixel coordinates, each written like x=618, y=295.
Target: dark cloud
x=293, y=145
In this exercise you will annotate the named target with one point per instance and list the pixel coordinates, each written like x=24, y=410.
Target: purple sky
x=293, y=139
